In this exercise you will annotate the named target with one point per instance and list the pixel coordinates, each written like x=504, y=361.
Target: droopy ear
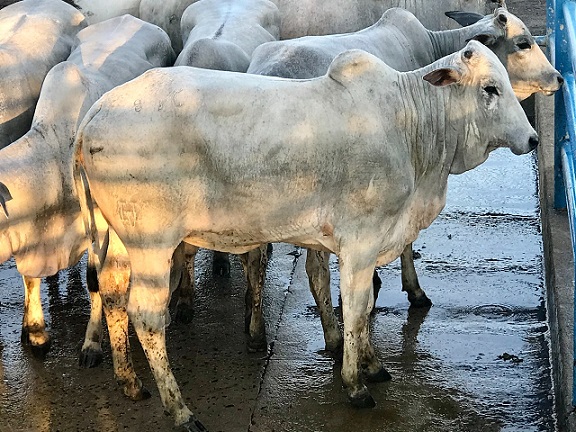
x=464, y=18
x=4, y=196
x=443, y=77
x=484, y=39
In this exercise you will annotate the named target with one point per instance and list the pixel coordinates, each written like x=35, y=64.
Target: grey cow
x=290, y=175
x=400, y=40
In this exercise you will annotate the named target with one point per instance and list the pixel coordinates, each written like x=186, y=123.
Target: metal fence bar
x=561, y=30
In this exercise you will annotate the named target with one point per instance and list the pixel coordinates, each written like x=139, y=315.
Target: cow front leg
x=221, y=264
x=147, y=308
x=91, y=353
x=318, y=271
x=254, y=264
x=416, y=295
x=34, y=331
x=357, y=303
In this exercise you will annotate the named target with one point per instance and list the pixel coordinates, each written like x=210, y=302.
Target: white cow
x=355, y=163
x=321, y=17
x=35, y=35
x=166, y=14
x=222, y=34
x=44, y=231
x=400, y=40
x=101, y=10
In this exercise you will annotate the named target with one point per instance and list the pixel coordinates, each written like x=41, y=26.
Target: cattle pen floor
x=478, y=360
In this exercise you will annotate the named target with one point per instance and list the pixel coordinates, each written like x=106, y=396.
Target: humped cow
x=35, y=35
x=43, y=230
x=222, y=34
x=100, y=10
x=354, y=162
x=320, y=17
x=402, y=42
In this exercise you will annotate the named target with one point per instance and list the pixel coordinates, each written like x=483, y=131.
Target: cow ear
x=443, y=77
x=4, y=196
x=464, y=18
x=484, y=39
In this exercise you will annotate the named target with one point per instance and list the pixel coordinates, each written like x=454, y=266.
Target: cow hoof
x=40, y=351
x=362, y=399
x=381, y=375
x=221, y=267
x=90, y=358
x=137, y=392
x=421, y=302
x=184, y=313
x=39, y=342
x=336, y=350
x=257, y=344
x=192, y=425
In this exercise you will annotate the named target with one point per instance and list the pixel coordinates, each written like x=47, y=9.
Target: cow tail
x=96, y=248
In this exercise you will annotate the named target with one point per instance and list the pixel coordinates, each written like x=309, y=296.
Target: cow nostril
x=560, y=80
x=533, y=142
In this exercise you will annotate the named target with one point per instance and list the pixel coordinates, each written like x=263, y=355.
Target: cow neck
x=430, y=110
x=447, y=42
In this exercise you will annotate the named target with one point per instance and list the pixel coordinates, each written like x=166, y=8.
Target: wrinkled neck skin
x=449, y=41
x=442, y=134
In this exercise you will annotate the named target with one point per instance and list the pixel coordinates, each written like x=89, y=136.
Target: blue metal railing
x=561, y=42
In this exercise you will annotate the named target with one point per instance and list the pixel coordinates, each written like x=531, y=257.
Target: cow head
x=487, y=111
x=528, y=68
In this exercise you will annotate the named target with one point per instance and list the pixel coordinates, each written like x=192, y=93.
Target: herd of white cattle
x=232, y=124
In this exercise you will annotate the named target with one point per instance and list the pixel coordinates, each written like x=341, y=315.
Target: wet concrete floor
x=477, y=361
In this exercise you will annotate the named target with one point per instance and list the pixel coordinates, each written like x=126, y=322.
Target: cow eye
x=523, y=45
x=491, y=90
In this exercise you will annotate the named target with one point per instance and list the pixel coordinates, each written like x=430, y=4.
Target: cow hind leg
x=254, y=263
x=91, y=353
x=113, y=281
x=34, y=332
x=318, y=271
x=416, y=295
x=186, y=289
x=147, y=308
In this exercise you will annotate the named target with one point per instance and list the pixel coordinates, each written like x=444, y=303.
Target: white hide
x=354, y=162
x=320, y=17
x=45, y=232
x=35, y=35
x=222, y=34
x=100, y=10
x=401, y=41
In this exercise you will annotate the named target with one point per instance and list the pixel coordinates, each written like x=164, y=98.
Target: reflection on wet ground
x=476, y=361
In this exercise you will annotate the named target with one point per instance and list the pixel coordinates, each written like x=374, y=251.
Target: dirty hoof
x=40, y=351
x=184, y=313
x=420, y=302
x=221, y=266
x=90, y=358
x=39, y=342
x=137, y=392
x=362, y=399
x=257, y=344
x=381, y=375
x=192, y=425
